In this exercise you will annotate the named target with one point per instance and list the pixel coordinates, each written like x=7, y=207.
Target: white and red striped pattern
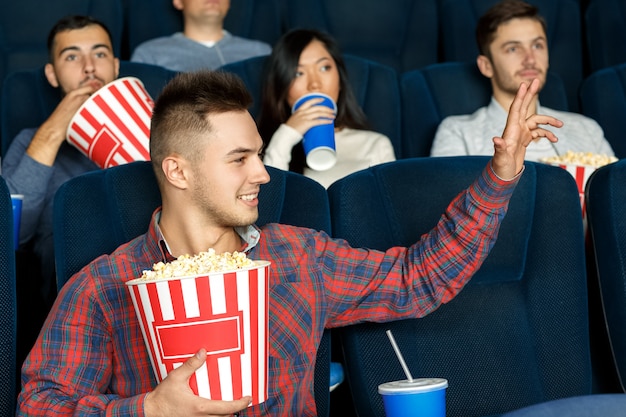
x=113, y=126
x=227, y=314
x=581, y=174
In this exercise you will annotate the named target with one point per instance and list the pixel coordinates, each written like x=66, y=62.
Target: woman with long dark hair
x=306, y=61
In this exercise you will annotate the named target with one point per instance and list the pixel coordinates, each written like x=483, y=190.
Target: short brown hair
x=499, y=14
x=181, y=115
x=72, y=22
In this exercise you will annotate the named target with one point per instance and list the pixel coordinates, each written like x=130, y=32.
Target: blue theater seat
x=8, y=309
x=606, y=199
x=98, y=211
x=403, y=34
x=517, y=334
x=605, y=29
x=603, y=98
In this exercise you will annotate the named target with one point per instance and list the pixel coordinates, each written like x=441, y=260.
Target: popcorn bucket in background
x=113, y=126
x=581, y=174
x=581, y=165
x=226, y=313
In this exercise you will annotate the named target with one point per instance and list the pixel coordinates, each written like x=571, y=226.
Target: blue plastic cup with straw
x=413, y=397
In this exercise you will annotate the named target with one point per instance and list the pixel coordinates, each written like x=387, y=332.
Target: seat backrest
x=24, y=27
x=517, y=334
x=28, y=99
x=98, y=211
x=458, y=19
x=603, y=98
x=403, y=35
x=605, y=199
x=253, y=19
x=605, y=27
x=376, y=88
x=440, y=90
x=252, y=72
x=8, y=308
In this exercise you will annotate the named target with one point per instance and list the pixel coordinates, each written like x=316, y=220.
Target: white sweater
x=356, y=150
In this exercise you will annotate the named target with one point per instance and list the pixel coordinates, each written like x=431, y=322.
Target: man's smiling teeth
x=248, y=197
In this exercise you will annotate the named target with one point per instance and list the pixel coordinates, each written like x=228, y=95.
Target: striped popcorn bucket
x=225, y=313
x=581, y=174
x=113, y=126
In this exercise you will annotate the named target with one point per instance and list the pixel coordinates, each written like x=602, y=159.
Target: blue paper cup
x=16, y=202
x=319, y=141
x=423, y=397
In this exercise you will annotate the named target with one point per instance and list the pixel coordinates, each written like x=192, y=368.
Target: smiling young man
x=513, y=47
x=205, y=149
x=39, y=160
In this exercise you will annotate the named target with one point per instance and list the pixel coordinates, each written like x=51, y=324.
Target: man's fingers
x=539, y=119
x=529, y=96
x=311, y=103
x=230, y=407
x=191, y=365
x=524, y=97
x=544, y=133
x=516, y=105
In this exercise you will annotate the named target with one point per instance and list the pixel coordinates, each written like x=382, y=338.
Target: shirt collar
x=249, y=234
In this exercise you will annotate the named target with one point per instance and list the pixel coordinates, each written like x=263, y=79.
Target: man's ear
x=484, y=66
x=117, y=67
x=174, y=171
x=178, y=4
x=51, y=76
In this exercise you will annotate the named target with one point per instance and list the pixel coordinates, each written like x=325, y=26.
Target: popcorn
x=202, y=263
x=216, y=302
x=580, y=158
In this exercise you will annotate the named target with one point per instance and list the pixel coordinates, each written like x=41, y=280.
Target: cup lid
x=309, y=96
x=418, y=385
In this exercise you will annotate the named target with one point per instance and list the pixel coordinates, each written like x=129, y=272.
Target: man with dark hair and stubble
x=39, y=160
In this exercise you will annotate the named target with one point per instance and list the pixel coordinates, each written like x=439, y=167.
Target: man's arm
x=51, y=134
x=25, y=176
x=412, y=282
x=75, y=363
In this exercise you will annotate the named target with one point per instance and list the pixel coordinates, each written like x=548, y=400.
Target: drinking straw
x=405, y=368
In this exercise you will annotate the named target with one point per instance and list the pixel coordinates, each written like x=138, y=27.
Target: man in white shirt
x=513, y=48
